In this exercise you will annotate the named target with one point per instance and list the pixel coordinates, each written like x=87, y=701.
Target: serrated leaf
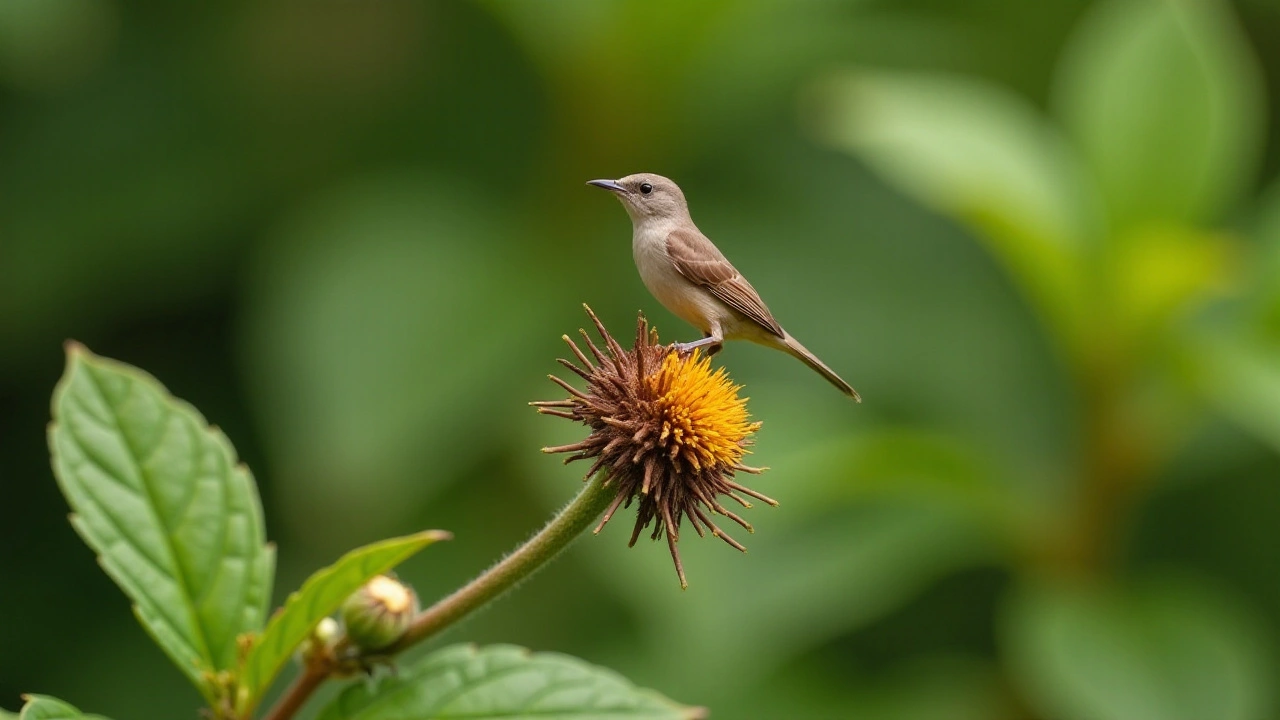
x=43, y=707
x=504, y=681
x=1168, y=649
x=982, y=156
x=160, y=496
x=321, y=594
x=1166, y=104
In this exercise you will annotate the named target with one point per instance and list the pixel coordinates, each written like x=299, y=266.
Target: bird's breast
x=684, y=299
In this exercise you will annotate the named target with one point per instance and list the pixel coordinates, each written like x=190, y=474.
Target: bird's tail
x=793, y=346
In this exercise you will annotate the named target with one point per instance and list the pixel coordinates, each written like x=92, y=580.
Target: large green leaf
x=322, y=594
x=982, y=156
x=1166, y=104
x=160, y=496
x=43, y=707
x=504, y=681
x=1165, y=650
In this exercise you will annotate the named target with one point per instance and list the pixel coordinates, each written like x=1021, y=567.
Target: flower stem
x=527, y=559
x=520, y=564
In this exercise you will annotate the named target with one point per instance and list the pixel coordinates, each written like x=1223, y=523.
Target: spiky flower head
x=666, y=429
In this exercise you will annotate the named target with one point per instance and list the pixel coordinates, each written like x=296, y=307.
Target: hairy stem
x=537, y=551
x=577, y=516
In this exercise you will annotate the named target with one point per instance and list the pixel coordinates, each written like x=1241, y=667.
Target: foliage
x=459, y=682
x=176, y=522
x=174, y=518
x=1038, y=237
x=43, y=707
x=1110, y=221
x=319, y=597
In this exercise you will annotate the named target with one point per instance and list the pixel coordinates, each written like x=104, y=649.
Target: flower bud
x=319, y=642
x=379, y=613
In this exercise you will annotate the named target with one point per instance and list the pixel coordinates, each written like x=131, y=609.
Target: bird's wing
x=699, y=261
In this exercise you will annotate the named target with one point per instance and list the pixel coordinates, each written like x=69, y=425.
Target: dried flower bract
x=665, y=428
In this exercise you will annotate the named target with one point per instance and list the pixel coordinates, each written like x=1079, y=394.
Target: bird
x=689, y=275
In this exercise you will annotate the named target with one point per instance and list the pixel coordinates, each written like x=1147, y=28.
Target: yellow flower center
x=704, y=421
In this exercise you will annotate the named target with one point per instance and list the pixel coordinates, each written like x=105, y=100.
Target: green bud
x=379, y=613
x=319, y=642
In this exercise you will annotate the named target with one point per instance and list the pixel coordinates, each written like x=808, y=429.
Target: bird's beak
x=608, y=185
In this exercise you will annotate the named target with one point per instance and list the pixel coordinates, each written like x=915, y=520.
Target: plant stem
x=537, y=551
x=297, y=694
x=527, y=559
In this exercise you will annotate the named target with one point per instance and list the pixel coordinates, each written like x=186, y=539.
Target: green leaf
x=321, y=594
x=174, y=518
x=1265, y=296
x=43, y=707
x=982, y=156
x=1242, y=380
x=1165, y=101
x=6, y=715
x=504, y=681
x=1165, y=650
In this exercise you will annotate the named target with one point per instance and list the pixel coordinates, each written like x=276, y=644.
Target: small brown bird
x=691, y=277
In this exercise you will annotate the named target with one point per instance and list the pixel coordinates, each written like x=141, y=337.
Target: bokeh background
x=1038, y=237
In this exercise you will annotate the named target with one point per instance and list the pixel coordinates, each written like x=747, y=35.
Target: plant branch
x=527, y=559
x=297, y=694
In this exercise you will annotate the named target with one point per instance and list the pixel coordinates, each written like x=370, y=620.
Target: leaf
x=321, y=594
x=43, y=707
x=982, y=156
x=1166, y=104
x=159, y=495
x=503, y=681
x=1242, y=380
x=1164, y=650
x=1265, y=300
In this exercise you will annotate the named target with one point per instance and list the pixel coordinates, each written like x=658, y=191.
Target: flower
x=667, y=430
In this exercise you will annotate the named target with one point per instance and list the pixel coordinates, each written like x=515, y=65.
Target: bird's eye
x=645, y=188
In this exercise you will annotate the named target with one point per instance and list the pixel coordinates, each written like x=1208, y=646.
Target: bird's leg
x=712, y=341
x=712, y=349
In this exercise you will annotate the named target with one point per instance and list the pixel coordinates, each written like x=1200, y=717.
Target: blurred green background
x=1037, y=236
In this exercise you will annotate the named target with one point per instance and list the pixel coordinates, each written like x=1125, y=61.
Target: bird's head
x=647, y=196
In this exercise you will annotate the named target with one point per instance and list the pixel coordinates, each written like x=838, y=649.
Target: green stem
x=576, y=517
x=537, y=551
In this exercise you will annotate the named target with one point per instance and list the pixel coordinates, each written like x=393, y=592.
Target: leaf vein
x=489, y=677
x=197, y=628
x=104, y=511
